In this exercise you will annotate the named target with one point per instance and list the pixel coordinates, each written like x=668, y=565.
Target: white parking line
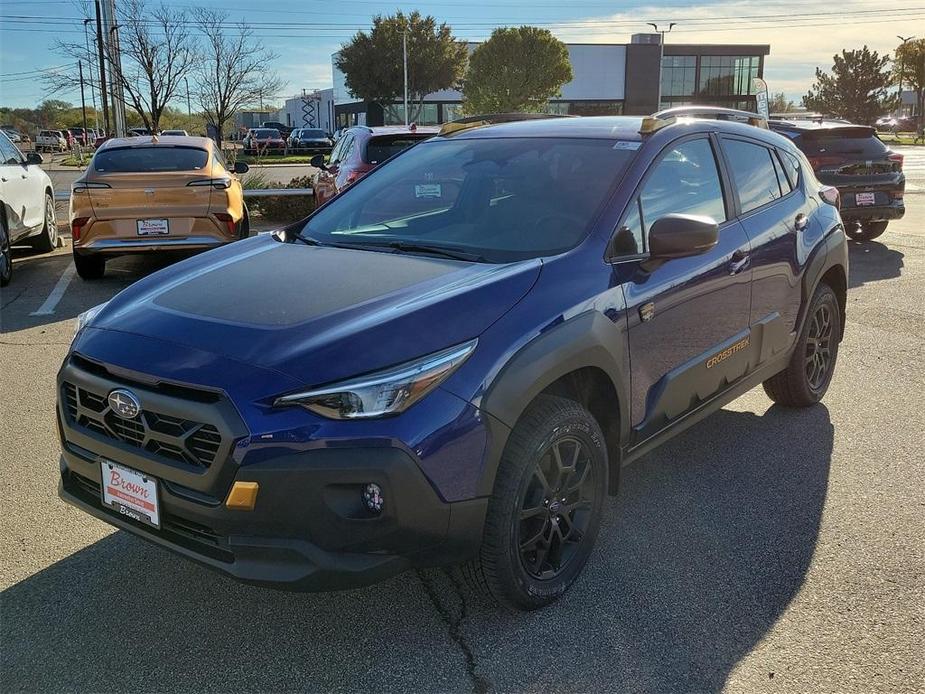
x=48, y=308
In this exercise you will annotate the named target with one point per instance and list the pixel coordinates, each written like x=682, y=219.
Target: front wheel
x=6, y=254
x=807, y=376
x=865, y=231
x=47, y=241
x=544, y=513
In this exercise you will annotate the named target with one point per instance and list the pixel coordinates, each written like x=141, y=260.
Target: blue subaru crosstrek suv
x=450, y=361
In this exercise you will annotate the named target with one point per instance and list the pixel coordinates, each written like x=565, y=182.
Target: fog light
x=372, y=498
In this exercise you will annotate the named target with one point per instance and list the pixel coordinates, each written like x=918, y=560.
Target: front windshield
x=496, y=199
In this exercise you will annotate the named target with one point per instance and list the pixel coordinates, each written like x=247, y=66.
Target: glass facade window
x=679, y=75
x=585, y=108
x=396, y=115
x=727, y=75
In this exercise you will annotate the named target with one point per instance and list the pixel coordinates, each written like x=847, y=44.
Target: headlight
x=85, y=318
x=382, y=393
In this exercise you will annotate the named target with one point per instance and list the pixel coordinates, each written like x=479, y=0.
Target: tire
x=47, y=241
x=865, y=231
x=6, y=253
x=807, y=376
x=90, y=267
x=525, y=561
x=244, y=226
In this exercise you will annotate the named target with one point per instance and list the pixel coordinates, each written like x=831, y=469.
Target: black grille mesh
x=179, y=440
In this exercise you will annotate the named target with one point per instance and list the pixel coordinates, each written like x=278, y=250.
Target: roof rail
x=668, y=116
x=481, y=120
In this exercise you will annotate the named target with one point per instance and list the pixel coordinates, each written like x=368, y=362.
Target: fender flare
x=589, y=339
x=832, y=252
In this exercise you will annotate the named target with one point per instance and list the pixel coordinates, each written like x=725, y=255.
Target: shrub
x=288, y=208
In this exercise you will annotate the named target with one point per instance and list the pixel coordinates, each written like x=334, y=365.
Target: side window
x=791, y=167
x=220, y=160
x=339, y=148
x=8, y=152
x=629, y=239
x=684, y=181
x=782, y=180
x=753, y=172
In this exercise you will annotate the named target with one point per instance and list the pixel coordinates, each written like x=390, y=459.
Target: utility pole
x=189, y=108
x=661, y=56
x=902, y=68
x=404, y=53
x=83, y=101
x=96, y=113
x=102, y=60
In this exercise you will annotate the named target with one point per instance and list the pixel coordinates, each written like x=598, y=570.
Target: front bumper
x=309, y=530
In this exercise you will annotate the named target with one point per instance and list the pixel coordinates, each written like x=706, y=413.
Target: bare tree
x=158, y=51
x=232, y=72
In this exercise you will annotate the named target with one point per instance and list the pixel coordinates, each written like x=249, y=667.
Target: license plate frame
x=152, y=227
x=865, y=199
x=130, y=493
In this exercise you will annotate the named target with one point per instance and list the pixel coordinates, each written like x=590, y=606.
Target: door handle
x=801, y=222
x=740, y=261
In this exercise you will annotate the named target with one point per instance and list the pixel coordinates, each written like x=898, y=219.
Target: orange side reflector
x=243, y=496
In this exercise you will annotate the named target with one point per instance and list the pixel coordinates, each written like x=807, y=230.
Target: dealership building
x=608, y=79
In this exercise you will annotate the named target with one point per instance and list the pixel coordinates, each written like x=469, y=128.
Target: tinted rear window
x=854, y=142
x=263, y=132
x=380, y=148
x=150, y=159
x=318, y=134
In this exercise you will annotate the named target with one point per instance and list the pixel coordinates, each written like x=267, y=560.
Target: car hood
x=317, y=314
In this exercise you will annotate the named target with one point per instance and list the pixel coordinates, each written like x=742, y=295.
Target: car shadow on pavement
x=707, y=543
x=872, y=261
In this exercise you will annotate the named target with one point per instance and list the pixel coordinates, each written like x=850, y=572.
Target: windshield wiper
x=307, y=240
x=410, y=247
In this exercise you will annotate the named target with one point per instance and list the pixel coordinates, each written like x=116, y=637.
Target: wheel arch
x=583, y=359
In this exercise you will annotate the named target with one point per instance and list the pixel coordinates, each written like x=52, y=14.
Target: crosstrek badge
x=130, y=493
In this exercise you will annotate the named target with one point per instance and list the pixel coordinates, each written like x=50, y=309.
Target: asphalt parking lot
x=765, y=550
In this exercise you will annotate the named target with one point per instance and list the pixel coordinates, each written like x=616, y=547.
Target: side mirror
x=241, y=168
x=680, y=235
x=34, y=158
x=318, y=162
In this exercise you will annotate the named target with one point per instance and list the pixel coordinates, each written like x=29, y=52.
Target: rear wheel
x=90, y=267
x=244, y=226
x=807, y=376
x=47, y=241
x=865, y=231
x=6, y=254
x=544, y=513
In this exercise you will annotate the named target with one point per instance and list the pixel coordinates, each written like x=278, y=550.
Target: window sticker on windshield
x=428, y=190
x=627, y=144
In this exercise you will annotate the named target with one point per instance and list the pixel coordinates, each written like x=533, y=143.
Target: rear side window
x=150, y=159
x=782, y=180
x=791, y=167
x=753, y=173
x=378, y=149
x=684, y=181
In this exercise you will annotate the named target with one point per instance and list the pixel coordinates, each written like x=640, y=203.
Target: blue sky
x=802, y=34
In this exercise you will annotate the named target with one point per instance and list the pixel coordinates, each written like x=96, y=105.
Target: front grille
x=178, y=440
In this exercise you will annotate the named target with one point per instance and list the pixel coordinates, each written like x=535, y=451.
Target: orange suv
x=150, y=194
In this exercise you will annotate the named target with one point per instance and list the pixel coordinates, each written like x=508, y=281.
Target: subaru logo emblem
x=124, y=403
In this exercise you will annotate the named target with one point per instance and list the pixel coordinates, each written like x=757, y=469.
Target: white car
x=181, y=133
x=50, y=141
x=27, y=205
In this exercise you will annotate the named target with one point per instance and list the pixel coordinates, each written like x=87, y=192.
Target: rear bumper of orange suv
x=118, y=236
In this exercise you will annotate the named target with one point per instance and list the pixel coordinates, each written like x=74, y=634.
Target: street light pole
x=404, y=55
x=83, y=101
x=661, y=55
x=96, y=113
x=102, y=61
x=902, y=68
x=189, y=108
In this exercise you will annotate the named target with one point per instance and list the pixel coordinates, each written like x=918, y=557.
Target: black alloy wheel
x=819, y=356
x=555, y=508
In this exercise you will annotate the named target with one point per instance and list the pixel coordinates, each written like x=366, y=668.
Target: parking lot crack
x=455, y=621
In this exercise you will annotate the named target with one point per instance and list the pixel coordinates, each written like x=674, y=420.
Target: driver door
x=688, y=318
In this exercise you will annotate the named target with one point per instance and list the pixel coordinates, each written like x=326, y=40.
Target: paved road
x=766, y=550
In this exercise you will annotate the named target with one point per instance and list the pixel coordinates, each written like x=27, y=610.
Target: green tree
x=779, y=103
x=858, y=89
x=517, y=69
x=909, y=70
x=372, y=62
